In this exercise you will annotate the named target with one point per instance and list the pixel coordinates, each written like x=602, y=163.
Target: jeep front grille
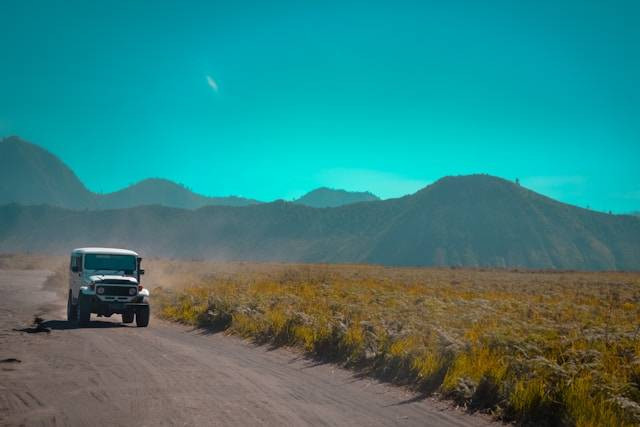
x=119, y=291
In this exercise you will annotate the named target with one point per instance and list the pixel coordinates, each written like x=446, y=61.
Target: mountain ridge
x=164, y=192
x=30, y=174
x=465, y=221
x=324, y=197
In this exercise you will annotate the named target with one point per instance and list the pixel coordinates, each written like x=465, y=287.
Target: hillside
x=30, y=175
x=481, y=220
x=476, y=220
x=157, y=191
x=329, y=198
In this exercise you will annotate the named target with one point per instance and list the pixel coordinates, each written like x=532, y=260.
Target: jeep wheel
x=142, y=316
x=72, y=309
x=127, y=317
x=84, y=310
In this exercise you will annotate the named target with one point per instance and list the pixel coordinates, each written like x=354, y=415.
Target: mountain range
x=31, y=175
x=473, y=220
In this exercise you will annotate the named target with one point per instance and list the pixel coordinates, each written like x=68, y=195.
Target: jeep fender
x=86, y=291
x=144, y=293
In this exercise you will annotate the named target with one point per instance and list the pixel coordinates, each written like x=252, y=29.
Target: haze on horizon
x=270, y=100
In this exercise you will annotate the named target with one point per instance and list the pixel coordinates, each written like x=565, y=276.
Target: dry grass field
x=540, y=348
x=532, y=347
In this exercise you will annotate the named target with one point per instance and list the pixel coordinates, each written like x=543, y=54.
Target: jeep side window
x=76, y=263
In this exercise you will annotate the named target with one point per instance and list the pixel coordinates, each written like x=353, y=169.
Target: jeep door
x=75, y=275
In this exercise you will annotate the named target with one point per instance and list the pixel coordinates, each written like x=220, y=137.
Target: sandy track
x=110, y=374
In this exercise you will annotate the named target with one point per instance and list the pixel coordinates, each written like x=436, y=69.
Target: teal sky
x=271, y=99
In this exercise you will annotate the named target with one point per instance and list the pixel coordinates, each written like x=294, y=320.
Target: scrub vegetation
x=540, y=348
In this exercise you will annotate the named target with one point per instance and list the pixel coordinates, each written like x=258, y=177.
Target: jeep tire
x=84, y=310
x=127, y=316
x=72, y=309
x=142, y=316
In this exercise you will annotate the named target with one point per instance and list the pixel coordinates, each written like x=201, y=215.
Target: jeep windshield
x=107, y=262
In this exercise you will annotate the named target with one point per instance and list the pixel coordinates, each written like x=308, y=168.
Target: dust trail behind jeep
x=106, y=281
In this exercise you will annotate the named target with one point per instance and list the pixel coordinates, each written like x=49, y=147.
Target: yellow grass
x=529, y=346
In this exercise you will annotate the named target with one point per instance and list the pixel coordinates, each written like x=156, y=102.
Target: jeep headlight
x=132, y=291
x=100, y=290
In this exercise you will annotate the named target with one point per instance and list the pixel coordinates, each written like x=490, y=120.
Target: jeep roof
x=110, y=251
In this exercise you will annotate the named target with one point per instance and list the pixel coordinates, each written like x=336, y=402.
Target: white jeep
x=106, y=281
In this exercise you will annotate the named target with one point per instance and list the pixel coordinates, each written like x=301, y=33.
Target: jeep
x=106, y=281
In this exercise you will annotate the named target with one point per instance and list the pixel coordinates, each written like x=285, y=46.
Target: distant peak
x=479, y=179
x=11, y=138
x=157, y=181
x=16, y=139
x=338, y=190
x=324, y=197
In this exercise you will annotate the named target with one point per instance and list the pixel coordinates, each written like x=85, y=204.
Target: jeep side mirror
x=75, y=269
x=142, y=271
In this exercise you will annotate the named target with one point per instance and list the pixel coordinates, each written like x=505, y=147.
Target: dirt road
x=110, y=374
